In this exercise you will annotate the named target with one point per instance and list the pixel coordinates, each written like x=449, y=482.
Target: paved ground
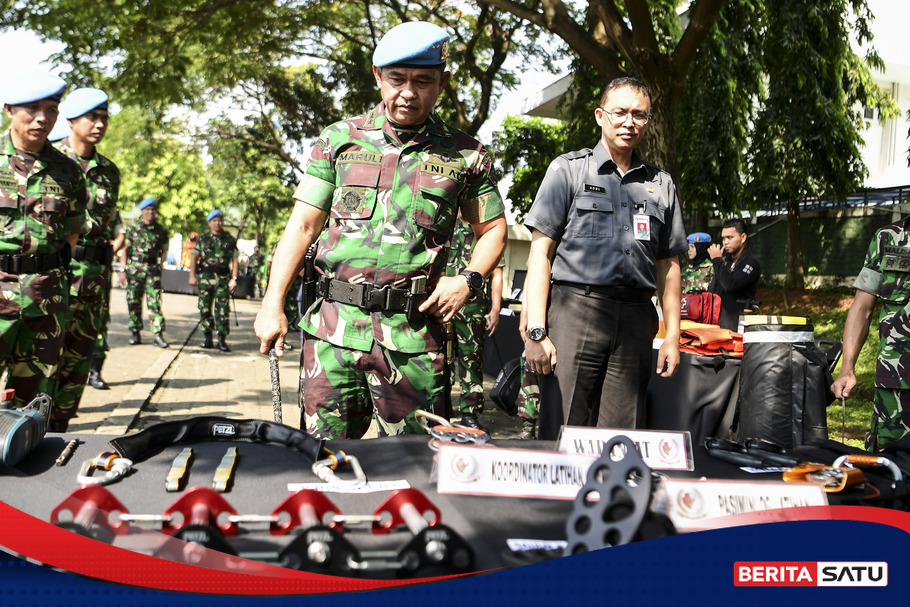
x=150, y=384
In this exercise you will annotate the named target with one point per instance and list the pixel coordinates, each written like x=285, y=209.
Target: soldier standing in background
x=885, y=275
x=42, y=207
x=698, y=270
x=254, y=266
x=213, y=268
x=390, y=183
x=145, y=247
x=478, y=318
x=85, y=109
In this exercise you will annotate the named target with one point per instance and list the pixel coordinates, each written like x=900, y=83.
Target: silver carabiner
x=325, y=469
x=117, y=468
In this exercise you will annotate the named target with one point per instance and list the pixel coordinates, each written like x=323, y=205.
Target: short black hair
x=737, y=224
x=618, y=83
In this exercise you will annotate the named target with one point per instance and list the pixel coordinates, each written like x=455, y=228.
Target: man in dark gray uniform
x=609, y=227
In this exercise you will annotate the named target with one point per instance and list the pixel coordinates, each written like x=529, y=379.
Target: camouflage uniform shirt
x=39, y=204
x=102, y=217
x=214, y=254
x=886, y=274
x=145, y=244
x=697, y=278
x=392, y=207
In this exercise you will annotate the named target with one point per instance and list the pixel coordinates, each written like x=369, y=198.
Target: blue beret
x=147, y=202
x=213, y=214
x=61, y=129
x=698, y=237
x=413, y=44
x=32, y=87
x=81, y=101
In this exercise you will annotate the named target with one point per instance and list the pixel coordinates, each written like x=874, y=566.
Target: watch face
x=475, y=280
x=536, y=333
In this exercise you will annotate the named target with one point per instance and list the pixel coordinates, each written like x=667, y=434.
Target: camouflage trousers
x=214, y=304
x=82, y=326
x=890, y=418
x=142, y=278
x=341, y=390
x=528, y=402
x=101, y=344
x=466, y=368
x=32, y=315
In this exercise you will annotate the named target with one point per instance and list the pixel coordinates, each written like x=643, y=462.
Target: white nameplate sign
x=510, y=472
x=691, y=504
x=660, y=450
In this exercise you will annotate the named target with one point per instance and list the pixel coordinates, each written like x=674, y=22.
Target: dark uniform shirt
x=736, y=282
x=610, y=228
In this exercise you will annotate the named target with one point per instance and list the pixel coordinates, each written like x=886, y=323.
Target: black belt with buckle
x=35, y=263
x=103, y=254
x=370, y=297
x=628, y=293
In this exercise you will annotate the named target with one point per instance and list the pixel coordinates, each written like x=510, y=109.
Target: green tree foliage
x=160, y=163
x=717, y=111
x=806, y=142
x=639, y=38
x=522, y=147
x=250, y=180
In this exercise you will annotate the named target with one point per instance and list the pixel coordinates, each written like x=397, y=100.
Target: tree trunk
x=795, y=279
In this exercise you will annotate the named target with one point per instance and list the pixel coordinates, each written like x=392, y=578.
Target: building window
x=868, y=113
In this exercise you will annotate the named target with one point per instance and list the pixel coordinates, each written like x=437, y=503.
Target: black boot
x=94, y=375
x=470, y=420
x=528, y=429
x=58, y=425
x=207, y=341
x=135, y=339
x=159, y=340
x=221, y=345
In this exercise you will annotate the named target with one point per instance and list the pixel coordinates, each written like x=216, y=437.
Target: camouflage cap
x=31, y=87
x=412, y=44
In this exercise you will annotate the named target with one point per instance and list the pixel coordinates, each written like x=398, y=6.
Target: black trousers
x=603, y=360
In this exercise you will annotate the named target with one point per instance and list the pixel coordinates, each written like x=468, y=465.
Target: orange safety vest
x=698, y=338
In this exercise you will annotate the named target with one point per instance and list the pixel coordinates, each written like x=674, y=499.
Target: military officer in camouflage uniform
x=885, y=275
x=477, y=319
x=255, y=265
x=85, y=109
x=389, y=183
x=697, y=273
x=43, y=195
x=213, y=268
x=145, y=247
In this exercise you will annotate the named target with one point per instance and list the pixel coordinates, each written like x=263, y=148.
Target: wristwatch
x=536, y=333
x=475, y=279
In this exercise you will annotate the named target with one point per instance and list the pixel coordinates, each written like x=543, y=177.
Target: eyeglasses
x=619, y=117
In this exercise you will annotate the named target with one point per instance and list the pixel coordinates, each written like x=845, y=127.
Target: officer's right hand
x=271, y=329
x=843, y=385
x=541, y=355
x=715, y=251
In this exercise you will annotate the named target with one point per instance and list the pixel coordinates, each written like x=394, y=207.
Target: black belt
x=35, y=263
x=629, y=293
x=103, y=254
x=363, y=295
x=142, y=445
x=203, y=269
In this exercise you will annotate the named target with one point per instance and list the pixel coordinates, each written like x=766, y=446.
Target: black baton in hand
x=276, y=384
